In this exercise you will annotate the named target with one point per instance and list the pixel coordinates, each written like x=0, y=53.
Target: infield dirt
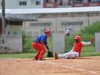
x=50, y=66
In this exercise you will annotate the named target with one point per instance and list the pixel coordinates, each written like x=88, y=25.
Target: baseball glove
x=92, y=40
x=50, y=54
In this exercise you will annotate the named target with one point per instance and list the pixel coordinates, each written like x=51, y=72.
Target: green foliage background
x=27, y=44
x=87, y=33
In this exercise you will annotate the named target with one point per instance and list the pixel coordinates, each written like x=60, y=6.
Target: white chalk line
x=64, y=66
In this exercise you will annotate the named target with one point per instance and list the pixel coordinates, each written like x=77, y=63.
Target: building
x=57, y=19
x=85, y=3
x=24, y=4
x=56, y=3
x=18, y=4
x=70, y=3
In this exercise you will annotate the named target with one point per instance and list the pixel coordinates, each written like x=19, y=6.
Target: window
x=40, y=24
x=14, y=22
x=78, y=1
x=89, y=0
x=61, y=3
x=46, y=1
x=22, y=3
x=55, y=0
x=37, y=2
x=71, y=23
x=93, y=1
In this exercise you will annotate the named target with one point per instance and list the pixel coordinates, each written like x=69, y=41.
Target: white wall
x=56, y=23
x=13, y=41
x=14, y=4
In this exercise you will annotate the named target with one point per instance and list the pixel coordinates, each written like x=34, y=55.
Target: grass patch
x=20, y=55
x=90, y=54
x=89, y=51
x=86, y=51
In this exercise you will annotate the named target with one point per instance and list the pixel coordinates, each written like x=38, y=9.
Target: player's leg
x=62, y=55
x=77, y=55
x=37, y=55
x=68, y=55
x=40, y=48
x=59, y=56
x=72, y=55
x=34, y=45
x=41, y=54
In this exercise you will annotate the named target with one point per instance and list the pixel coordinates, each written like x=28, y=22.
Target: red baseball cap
x=47, y=31
x=78, y=37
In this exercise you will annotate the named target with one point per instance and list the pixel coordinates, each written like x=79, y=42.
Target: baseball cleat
x=56, y=56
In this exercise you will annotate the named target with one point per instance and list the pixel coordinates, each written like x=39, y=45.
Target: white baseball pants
x=69, y=55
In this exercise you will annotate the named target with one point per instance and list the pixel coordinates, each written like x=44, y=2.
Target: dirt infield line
x=70, y=67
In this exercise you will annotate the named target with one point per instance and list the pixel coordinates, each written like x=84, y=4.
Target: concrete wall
x=12, y=40
x=58, y=43
x=59, y=24
x=12, y=44
x=97, y=42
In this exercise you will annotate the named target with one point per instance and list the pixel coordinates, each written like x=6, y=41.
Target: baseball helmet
x=78, y=37
x=47, y=31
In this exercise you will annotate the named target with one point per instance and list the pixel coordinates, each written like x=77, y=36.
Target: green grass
x=90, y=54
x=19, y=55
x=89, y=51
x=86, y=51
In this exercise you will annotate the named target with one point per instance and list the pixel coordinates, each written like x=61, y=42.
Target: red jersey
x=77, y=47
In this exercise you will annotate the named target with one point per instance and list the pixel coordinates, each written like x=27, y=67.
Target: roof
x=52, y=10
x=20, y=17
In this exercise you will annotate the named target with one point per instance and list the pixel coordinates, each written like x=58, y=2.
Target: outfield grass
x=86, y=51
x=20, y=55
x=89, y=51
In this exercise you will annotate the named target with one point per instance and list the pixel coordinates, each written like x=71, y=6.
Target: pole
x=88, y=18
x=56, y=23
x=3, y=18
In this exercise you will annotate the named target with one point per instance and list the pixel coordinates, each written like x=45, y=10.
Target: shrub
x=68, y=43
x=91, y=29
x=27, y=44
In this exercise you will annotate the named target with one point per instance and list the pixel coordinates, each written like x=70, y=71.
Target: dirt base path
x=50, y=66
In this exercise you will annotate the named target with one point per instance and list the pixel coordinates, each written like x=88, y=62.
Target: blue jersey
x=42, y=37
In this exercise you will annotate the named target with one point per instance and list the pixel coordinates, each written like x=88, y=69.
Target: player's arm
x=87, y=43
x=41, y=41
x=44, y=42
x=46, y=46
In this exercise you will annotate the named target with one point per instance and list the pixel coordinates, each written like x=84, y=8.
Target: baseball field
x=50, y=66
